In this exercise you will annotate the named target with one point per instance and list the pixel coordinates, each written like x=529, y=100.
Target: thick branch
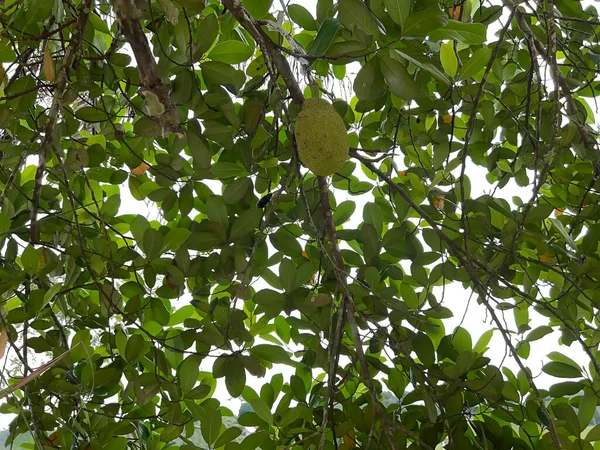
x=253, y=27
x=129, y=18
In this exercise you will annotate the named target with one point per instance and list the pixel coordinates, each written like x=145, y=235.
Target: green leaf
x=448, y=58
x=396, y=244
x=91, y=114
x=261, y=409
x=301, y=16
x=258, y=9
x=138, y=227
x=538, y=333
x=475, y=63
x=227, y=436
x=187, y=373
x=287, y=275
x=372, y=214
x=269, y=298
x=208, y=30
x=98, y=24
x=467, y=33
x=561, y=370
x=134, y=347
x=399, y=10
x=174, y=239
x=4, y=223
x=325, y=36
x=271, y=353
x=210, y=425
x=152, y=243
x=398, y=79
x=220, y=73
x=426, y=20
x=285, y=242
x=223, y=170
x=423, y=347
x=216, y=211
x=30, y=259
x=236, y=190
x=235, y=378
x=231, y=52
x=586, y=408
x=343, y=212
x=461, y=339
x=354, y=13
x=245, y=224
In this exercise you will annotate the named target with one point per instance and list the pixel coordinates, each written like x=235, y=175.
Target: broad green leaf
x=152, y=243
x=217, y=212
x=220, y=73
x=91, y=114
x=448, y=58
x=187, y=373
x=287, y=275
x=372, y=214
x=210, y=425
x=236, y=190
x=301, y=16
x=399, y=10
x=231, y=52
x=398, y=79
x=475, y=63
x=343, y=212
x=258, y=9
x=467, y=33
x=262, y=409
x=426, y=20
x=561, y=370
x=207, y=32
x=325, y=36
x=538, y=333
x=354, y=13
x=245, y=224
x=175, y=238
x=271, y=353
x=235, y=378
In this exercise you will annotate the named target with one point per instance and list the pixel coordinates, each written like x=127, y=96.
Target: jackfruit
x=321, y=137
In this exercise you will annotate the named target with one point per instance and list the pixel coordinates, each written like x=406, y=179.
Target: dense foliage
x=317, y=301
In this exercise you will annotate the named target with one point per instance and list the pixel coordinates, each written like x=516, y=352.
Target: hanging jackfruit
x=321, y=137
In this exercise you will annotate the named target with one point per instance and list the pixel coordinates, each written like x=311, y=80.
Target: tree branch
x=57, y=104
x=129, y=18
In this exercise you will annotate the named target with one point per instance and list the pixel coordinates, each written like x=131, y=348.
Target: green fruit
x=321, y=137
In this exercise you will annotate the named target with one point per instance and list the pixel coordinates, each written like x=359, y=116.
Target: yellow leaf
x=49, y=67
x=41, y=260
x=447, y=118
x=139, y=170
x=53, y=438
x=350, y=440
x=455, y=12
x=3, y=342
x=305, y=255
x=558, y=212
x=546, y=257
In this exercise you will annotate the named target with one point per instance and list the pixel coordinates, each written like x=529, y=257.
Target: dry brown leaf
x=36, y=373
x=49, y=67
x=139, y=170
x=3, y=342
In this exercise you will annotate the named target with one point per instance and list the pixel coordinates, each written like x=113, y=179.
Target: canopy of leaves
x=139, y=275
